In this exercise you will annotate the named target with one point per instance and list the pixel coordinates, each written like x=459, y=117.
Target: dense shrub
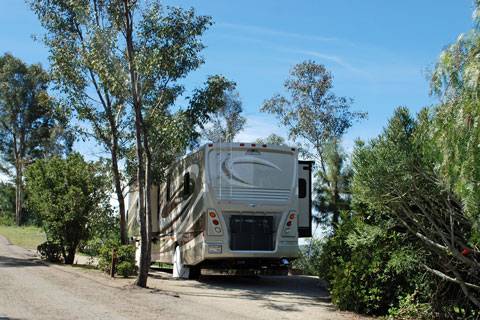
x=50, y=251
x=371, y=265
x=125, y=258
x=67, y=195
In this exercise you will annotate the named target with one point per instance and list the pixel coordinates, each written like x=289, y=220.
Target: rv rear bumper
x=221, y=250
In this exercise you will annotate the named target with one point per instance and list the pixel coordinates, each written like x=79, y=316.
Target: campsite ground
x=32, y=289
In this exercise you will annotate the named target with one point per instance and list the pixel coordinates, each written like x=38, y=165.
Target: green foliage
x=7, y=204
x=31, y=125
x=126, y=269
x=66, y=195
x=105, y=226
x=125, y=258
x=50, y=251
x=409, y=308
x=332, y=194
x=397, y=174
x=369, y=264
x=272, y=139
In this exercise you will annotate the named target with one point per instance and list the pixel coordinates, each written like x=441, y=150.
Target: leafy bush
x=67, y=195
x=50, y=251
x=125, y=258
x=104, y=227
x=125, y=268
x=370, y=265
x=7, y=204
x=6, y=220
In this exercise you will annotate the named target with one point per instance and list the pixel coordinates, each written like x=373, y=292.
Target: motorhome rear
x=230, y=206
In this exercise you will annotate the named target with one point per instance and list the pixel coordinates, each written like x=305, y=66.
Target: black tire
x=194, y=272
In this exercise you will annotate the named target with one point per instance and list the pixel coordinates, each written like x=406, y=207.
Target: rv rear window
x=302, y=188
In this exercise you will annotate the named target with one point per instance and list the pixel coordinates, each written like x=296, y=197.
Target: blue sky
x=377, y=50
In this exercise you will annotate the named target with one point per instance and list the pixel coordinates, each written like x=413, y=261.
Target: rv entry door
x=305, y=198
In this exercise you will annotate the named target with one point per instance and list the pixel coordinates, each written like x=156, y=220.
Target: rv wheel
x=194, y=272
x=179, y=269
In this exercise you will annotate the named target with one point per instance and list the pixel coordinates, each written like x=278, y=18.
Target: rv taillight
x=289, y=223
x=292, y=216
x=212, y=214
x=215, y=222
x=242, y=144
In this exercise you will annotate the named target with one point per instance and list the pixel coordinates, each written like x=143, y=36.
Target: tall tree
x=455, y=79
x=227, y=121
x=152, y=50
x=332, y=186
x=312, y=112
x=30, y=125
x=88, y=69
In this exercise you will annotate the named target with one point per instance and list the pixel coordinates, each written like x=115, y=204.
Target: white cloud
x=272, y=32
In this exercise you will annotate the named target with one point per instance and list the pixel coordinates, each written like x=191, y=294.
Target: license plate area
x=251, y=233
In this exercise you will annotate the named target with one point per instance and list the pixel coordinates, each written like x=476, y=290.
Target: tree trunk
x=144, y=263
x=18, y=194
x=148, y=186
x=70, y=256
x=119, y=192
x=336, y=212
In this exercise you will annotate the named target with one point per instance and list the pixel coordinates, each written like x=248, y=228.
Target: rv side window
x=186, y=184
x=302, y=188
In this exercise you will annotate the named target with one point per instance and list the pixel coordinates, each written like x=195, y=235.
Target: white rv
x=230, y=207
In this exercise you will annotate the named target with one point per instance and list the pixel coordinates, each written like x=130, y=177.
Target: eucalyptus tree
x=227, y=121
x=31, y=125
x=312, y=112
x=139, y=53
x=88, y=68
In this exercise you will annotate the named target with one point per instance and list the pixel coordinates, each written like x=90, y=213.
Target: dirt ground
x=32, y=289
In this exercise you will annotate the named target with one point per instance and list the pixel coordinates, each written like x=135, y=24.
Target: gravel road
x=32, y=289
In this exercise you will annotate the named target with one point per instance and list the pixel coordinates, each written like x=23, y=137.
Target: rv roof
x=248, y=145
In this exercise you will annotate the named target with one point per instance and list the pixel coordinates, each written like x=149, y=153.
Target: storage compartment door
x=305, y=199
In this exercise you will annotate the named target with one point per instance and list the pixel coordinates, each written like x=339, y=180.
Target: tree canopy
x=31, y=124
x=311, y=111
x=227, y=121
